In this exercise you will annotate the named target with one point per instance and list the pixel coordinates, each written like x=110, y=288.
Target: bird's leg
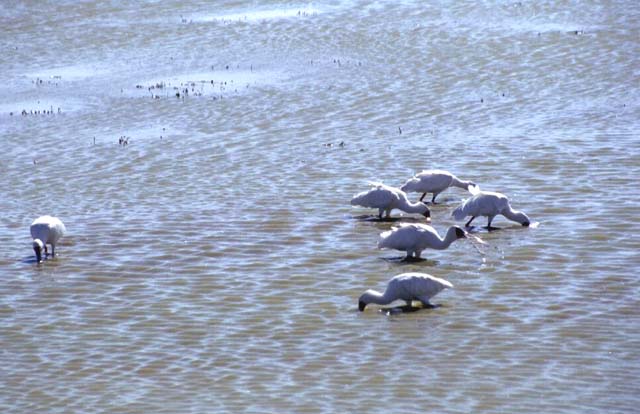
x=46, y=252
x=489, y=228
x=408, y=307
x=53, y=251
x=412, y=256
x=423, y=195
x=469, y=222
x=433, y=199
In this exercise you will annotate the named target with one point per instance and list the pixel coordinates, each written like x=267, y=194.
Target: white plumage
x=46, y=230
x=413, y=238
x=489, y=204
x=434, y=181
x=386, y=198
x=408, y=287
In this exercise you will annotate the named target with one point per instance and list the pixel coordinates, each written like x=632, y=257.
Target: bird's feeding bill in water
x=476, y=242
x=475, y=239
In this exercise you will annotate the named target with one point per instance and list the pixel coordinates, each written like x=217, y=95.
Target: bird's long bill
x=475, y=239
x=476, y=242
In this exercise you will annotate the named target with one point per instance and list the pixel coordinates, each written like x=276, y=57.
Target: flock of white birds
x=413, y=238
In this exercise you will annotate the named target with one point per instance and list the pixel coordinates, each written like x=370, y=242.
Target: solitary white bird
x=408, y=287
x=489, y=204
x=386, y=198
x=434, y=181
x=413, y=238
x=46, y=230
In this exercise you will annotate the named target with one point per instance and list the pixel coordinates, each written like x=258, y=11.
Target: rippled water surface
x=214, y=263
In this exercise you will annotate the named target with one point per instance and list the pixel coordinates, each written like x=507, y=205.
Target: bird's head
x=523, y=219
x=366, y=298
x=460, y=233
x=37, y=248
x=426, y=213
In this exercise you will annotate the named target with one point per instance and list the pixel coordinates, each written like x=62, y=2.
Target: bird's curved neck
x=373, y=296
x=445, y=242
x=410, y=207
x=456, y=182
x=515, y=215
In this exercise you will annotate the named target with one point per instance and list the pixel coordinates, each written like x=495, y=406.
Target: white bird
x=434, y=181
x=413, y=238
x=489, y=204
x=386, y=198
x=408, y=287
x=46, y=230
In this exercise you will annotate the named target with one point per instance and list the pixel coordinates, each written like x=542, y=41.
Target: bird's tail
x=359, y=199
x=410, y=185
x=459, y=213
x=356, y=200
x=382, y=241
x=444, y=282
x=376, y=184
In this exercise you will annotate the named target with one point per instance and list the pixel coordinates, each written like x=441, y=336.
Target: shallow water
x=214, y=263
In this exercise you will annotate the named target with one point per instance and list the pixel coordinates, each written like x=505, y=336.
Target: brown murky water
x=214, y=263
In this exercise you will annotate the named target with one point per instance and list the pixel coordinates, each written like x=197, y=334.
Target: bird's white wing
x=398, y=238
x=425, y=286
x=381, y=196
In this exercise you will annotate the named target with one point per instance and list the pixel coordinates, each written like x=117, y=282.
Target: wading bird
x=435, y=181
x=408, y=287
x=46, y=230
x=413, y=238
x=489, y=204
x=386, y=198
